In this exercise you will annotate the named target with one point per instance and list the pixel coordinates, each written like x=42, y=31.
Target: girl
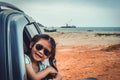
x=42, y=49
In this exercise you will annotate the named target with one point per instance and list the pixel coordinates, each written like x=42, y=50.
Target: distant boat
x=67, y=26
x=50, y=30
x=90, y=30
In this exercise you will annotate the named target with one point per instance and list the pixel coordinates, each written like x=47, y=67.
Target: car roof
x=10, y=6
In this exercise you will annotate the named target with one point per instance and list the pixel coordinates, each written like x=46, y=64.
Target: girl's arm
x=39, y=75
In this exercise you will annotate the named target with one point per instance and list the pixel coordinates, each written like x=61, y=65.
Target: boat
x=50, y=30
x=67, y=26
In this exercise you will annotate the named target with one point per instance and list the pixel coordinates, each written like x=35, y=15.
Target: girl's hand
x=51, y=70
x=58, y=77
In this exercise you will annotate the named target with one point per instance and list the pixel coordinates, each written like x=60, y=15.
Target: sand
x=88, y=54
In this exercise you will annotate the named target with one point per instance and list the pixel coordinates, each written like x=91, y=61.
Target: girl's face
x=40, y=49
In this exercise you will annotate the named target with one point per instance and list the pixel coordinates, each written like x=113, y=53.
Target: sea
x=77, y=29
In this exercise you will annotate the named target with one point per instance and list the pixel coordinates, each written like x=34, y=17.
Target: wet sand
x=87, y=54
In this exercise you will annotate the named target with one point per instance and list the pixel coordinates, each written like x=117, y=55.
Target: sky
x=81, y=13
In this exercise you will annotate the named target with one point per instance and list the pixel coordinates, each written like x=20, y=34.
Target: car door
x=17, y=25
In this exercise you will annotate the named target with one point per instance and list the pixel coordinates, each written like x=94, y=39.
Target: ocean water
x=115, y=29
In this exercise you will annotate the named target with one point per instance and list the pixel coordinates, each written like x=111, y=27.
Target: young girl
x=42, y=49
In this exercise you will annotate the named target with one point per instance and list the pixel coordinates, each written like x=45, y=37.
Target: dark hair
x=37, y=37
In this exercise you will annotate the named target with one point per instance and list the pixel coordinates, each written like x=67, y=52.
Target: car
x=16, y=30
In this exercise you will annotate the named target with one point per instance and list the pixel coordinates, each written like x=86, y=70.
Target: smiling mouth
x=38, y=55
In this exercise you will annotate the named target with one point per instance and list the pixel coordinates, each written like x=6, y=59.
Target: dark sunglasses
x=40, y=47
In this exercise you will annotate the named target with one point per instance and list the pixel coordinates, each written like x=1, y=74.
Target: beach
x=88, y=54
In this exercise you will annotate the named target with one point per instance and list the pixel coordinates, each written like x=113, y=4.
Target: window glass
x=32, y=30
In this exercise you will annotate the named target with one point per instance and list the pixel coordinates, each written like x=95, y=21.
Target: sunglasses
x=40, y=47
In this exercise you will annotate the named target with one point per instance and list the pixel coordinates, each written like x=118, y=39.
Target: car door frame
x=13, y=26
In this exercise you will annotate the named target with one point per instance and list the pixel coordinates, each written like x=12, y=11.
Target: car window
x=29, y=31
x=32, y=30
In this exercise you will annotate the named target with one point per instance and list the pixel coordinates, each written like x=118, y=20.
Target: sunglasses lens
x=39, y=47
x=46, y=52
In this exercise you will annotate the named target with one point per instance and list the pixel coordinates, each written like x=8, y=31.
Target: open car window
x=29, y=31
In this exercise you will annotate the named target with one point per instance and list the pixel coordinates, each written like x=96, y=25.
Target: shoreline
x=85, y=38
